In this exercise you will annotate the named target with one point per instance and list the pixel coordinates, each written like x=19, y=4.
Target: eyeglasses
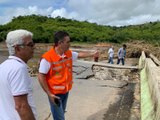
x=31, y=44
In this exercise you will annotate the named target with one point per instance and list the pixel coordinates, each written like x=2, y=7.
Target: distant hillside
x=43, y=28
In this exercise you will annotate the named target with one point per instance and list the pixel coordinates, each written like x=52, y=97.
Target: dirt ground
x=134, y=49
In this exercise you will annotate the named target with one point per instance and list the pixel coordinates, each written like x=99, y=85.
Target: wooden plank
x=109, y=65
x=155, y=60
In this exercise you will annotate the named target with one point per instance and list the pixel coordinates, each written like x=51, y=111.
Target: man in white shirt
x=55, y=73
x=16, y=99
x=111, y=55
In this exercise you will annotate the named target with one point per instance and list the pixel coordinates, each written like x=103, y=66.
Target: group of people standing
x=55, y=76
x=121, y=55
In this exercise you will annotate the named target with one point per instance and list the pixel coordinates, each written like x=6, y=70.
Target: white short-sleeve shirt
x=111, y=52
x=45, y=65
x=14, y=81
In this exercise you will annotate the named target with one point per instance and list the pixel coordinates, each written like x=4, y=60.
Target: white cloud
x=24, y=11
x=5, y=19
x=35, y=10
x=63, y=13
x=113, y=12
x=106, y=12
x=30, y=10
x=59, y=12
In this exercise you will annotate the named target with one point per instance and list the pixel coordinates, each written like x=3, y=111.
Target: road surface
x=88, y=99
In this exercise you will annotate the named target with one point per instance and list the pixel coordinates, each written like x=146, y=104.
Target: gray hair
x=16, y=38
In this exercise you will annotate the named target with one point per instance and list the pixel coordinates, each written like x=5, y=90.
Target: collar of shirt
x=62, y=56
x=18, y=59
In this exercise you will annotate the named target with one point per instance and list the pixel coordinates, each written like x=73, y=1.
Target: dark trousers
x=120, y=60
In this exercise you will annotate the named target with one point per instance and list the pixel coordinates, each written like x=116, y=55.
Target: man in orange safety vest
x=55, y=72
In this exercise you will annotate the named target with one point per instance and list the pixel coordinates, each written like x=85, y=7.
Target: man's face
x=27, y=48
x=65, y=44
x=124, y=48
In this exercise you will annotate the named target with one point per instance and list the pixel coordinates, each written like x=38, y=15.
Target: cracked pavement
x=90, y=98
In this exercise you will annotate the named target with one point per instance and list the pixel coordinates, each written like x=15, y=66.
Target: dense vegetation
x=43, y=28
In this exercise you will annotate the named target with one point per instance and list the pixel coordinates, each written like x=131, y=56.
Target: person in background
x=55, y=72
x=111, y=55
x=16, y=100
x=122, y=54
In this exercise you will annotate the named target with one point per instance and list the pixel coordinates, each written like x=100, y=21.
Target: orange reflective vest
x=59, y=77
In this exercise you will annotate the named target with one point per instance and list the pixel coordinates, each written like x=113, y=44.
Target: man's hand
x=53, y=98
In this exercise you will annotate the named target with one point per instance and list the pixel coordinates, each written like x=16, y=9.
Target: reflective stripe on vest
x=62, y=61
x=59, y=87
x=57, y=68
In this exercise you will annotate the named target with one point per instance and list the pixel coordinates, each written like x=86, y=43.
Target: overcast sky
x=104, y=12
